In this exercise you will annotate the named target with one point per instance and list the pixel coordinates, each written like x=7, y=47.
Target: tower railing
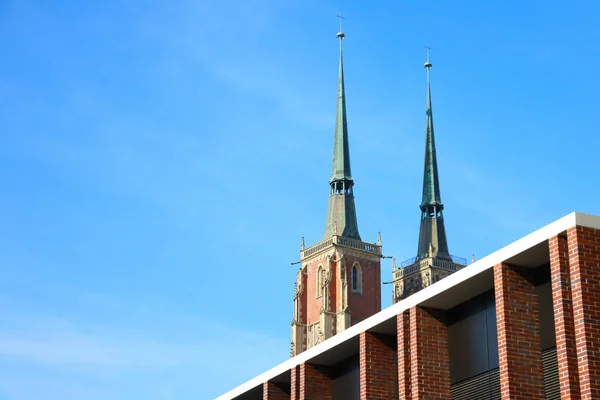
x=342, y=241
x=455, y=260
x=411, y=265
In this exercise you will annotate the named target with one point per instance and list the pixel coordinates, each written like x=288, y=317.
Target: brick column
x=295, y=383
x=315, y=383
x=584, y=264
x=378, y=374
x=563, y=318
x=429, y=360
x=519, y=352
x=403, y=321
x=274, y=391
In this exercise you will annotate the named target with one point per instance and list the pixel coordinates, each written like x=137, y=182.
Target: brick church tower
x=433, y=261
x=339, y=282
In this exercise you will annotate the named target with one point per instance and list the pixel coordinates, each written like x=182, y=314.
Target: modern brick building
x=520, y=323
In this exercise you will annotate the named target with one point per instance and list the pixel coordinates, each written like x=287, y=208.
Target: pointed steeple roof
x=432, y=234
x=431, y=184
x=341, y=212
x=341, y=150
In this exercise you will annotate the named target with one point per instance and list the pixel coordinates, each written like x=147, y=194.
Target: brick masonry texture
x=584, y=266
x=274, y=391
x=369, y=301
x=429, y=360
x=563, y=318
x=378, y=363
x=315, y=383
x=403, y=322
x=295, y=383
x=517, y=318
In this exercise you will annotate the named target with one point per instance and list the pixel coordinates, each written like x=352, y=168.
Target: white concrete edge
x=476, y=268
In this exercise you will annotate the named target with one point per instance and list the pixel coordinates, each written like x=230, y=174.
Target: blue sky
x=160, y=163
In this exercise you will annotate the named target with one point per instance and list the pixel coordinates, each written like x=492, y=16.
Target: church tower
x=339, y=282
x=433, y=261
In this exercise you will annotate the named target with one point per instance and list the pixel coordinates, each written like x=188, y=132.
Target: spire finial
x=379, y=238
x=394, y=264
x=340, y=34
x=427, y=63
x=302, y=243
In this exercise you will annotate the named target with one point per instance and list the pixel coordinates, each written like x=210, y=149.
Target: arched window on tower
x=320, y=281
x=356, y=279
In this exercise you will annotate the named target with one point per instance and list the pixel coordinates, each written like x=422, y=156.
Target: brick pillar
x=429, y=360
x=566, y=351
x=295, y=383
x=378, y=374
x=403, y=321
x=315, y=383
x=584, y=264
x=275, y=391
x=519, y=352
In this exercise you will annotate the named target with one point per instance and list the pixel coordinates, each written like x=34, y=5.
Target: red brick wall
x=315, y=384
x=295, y=383
x=273, y=391
x=519, y=352
x=429, y=360
x=403, y=322
x=584, y=263
x=369, y=301
x=378, y=373
x=362, y=305
x=563, y=318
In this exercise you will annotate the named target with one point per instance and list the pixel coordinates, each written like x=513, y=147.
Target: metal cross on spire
x=341, y=18
x=427, y=63
x=340, y=34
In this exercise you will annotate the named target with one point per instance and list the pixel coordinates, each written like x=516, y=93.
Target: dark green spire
x=341, y=212
x=432, y=235
x=431, y=184
x=341, y=151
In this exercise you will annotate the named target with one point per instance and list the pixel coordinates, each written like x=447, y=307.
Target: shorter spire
x=432, y=236
x=431, y=185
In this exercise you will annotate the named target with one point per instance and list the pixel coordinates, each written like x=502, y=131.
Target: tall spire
x=341, y=151
x=432, y=237
x=341, y=211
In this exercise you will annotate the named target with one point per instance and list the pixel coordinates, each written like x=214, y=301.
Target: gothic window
x=320, y=281
x=356, y=279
